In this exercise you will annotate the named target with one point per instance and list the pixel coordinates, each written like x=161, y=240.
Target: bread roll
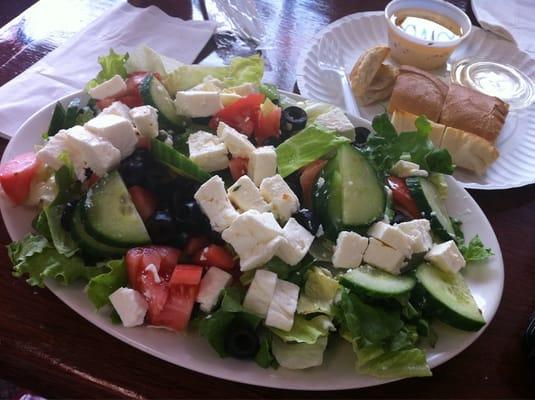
x=468, y=150
x=366, y=68
x=475, y=112
x=418, y=92
x=381, y=86
x=405, y=122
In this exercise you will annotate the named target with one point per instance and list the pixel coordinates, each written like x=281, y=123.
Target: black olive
x=361, y=136
x=134, y=167
x=529, y=338
x=272, y=141
x=190, y=217
x=399, y=217
x=162, y=228
x=66, y=215
x=307, y=220
x=241, y=340
x=295, y=184
x=293, y=119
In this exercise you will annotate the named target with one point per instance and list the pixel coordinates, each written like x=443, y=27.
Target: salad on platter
x=199, y=199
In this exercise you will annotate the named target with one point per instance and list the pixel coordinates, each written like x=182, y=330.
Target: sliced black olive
x=293, y=119
x=293, y=181
x=241, y=340
x=190, y=217
x=162, y=228
x=308, y=220
x=361, y=136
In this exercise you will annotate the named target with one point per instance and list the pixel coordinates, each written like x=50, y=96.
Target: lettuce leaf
x=384, y=147
x=299, y=355
x=403, y=363
x=306, y=146
x=319, y=292
x=306, y=330
x=100, y=287
x=475, y=251
x=112, y=64
x=143, y=58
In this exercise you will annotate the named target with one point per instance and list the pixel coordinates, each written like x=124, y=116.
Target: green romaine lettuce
x=396, y=364
x=306, y=330
x=475, y=251
x=299, y=355
x=319, y=292
x=100, y=287
x=112, y=64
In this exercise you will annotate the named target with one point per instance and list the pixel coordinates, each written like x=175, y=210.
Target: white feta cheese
x=260, y=292
x=337, y=120
x=56, y=146
x=197, y=103
x=130, y=305
x=212, y=283
x=237, y=144
x=283, y=305
x=255, y=237
x=446, y=256
x=115, y=129
x=349, y=249
x=207, y=151
x=89, y=151
x=109, y=88
x=296, y=244
x=404, y=169
x=262, y=164
x=208, y=85
x=228, y=98
x=245, y=89
x=146, y=120
x=383, y=257
x=420, y=231
x=393, y=237
x=245, y=195
x=282, y=199
x=213, y=200
x=118, y=108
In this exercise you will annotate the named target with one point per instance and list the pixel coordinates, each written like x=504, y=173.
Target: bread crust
x=366, y=68
x=381, y=85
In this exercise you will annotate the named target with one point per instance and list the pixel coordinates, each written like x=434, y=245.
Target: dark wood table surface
x=49, y=349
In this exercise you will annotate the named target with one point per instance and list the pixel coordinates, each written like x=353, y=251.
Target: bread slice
x=405, y=122
x=468, y=150
x=381, y=85
x=472, y=111
x=418, y=92
x=366, y=68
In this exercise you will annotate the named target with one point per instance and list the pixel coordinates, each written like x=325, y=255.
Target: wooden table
x=48, y=348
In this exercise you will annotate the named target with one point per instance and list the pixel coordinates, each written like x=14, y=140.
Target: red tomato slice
x=155, y=292
x=177, y=310
x=242, y=114
x=402, y=196
x=131, y=101
x=195, y=243
x=144, y=200
x=169, y=259
x=137, y=259
x=16, y=176
x=308, y=178
x=185, y=274
x=268, y=125
x=102, y=104
x=215, y=256
x=238, y=167
x=143, y=142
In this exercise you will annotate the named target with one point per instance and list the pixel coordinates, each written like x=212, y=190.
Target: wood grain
x=48, y=348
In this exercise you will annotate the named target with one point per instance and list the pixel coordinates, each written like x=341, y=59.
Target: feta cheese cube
x=420, y=231
x=446, y=256
x=130, y=305
x=197, y=103
x=146, y=120
x=383, y=257
x=296, y=244
x=53, y=149
x=255, y=237
x=283, y=201
x=119, y=109
x=212, y=283
x=115, y=129
x=404, y=169
x=89, y=151
x=109, y=88
x=337, y=120
x=262, y=164
x=238, y=145
x=260, y=292
x=349, y=249
x=208, y=85
x=283, y=304
x=229, y=98
x=245, y=89
x=393, y=237
x=245, y=195
x=208, y=151
x=213, y=200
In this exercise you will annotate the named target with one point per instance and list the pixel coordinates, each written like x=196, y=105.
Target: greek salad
x=199, y=198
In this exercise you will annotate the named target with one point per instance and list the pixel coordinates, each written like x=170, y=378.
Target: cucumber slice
x=110, y=216
x=429, y=202
x=371, y=281
x=177, y=161
x=71, y=114
x=89, y=244
x=450, y=298
x=56, y=122
x=348, y=193
x=154, y=94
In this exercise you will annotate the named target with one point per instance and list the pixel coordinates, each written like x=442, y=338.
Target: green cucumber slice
x=450, y=298
x=429, y=202
x=371, y=281
x=153, y=93
x=56, y=122
x=71, y=113
x=110, y=216
x=177, y=161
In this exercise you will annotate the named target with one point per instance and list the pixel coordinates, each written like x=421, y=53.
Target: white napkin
x=512, y=19
x=68, y=68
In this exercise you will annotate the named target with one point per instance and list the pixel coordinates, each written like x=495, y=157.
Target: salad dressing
x=426, y=25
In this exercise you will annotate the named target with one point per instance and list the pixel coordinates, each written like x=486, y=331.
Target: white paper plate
x=357, y=32
x=193, y=352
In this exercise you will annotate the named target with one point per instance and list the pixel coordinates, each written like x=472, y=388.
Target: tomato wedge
x=268, y=125
x=144, y=200
x=402, y=197
x=185, y=274
x=215, y=256
x=238, y=167
x=308, y=178
x=242, y=115
x=177, y=310
x=16, y=176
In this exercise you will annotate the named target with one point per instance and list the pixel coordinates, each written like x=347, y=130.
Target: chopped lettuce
x=314, y=109
x=264, y=357
x=112, y=64
x=63, y=242
x=319, y=292
x=100, y=287
x=270, y=91
x=306, y=146
x=143, y=58
x=475, y=251
x=84, y=115
x=306, y=330
x=395, y=364
x=299, y=355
